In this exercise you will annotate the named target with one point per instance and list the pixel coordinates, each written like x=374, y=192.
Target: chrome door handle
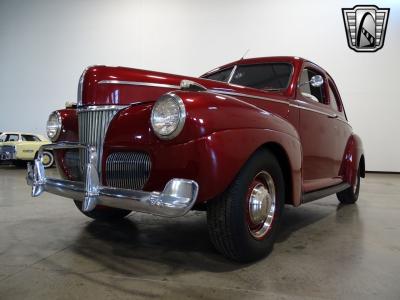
x=334, y=116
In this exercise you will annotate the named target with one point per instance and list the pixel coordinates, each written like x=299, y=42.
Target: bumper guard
x=177, y=198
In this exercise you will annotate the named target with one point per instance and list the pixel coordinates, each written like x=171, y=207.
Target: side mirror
x=316, y=81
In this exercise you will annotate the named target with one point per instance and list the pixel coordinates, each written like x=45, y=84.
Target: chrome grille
x=93, y=124
x=128, y=170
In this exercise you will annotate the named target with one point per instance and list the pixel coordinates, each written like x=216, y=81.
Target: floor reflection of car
x=20, y=148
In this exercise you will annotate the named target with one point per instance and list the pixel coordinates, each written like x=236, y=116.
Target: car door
x=318, y=131
x=343, y=129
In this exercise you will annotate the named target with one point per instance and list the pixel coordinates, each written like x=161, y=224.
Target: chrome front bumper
x=177, y=198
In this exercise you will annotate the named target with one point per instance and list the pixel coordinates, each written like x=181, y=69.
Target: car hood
x=102, y=85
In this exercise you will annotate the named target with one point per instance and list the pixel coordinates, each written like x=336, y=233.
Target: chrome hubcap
x=45, y=159
x=261, y=204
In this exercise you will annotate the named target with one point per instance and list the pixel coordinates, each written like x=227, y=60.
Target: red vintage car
x=240, y=142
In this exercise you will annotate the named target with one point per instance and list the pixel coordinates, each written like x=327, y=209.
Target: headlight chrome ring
x=168, y=116
x=53, y=126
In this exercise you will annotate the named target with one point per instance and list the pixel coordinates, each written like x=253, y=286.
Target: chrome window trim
x=140, y=83
x=232, y=73
x=319, y=112
x=247, y=95
x=313, y=110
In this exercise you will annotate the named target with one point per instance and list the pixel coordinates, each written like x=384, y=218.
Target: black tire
x=48, y=159
x=350, y=195
x=103, y=213
x=227, y=216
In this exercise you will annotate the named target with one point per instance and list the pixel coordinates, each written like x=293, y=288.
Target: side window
x=307, y=90
x=333, y=98
x=29, y=138
x=12, y=138
x=2, y=138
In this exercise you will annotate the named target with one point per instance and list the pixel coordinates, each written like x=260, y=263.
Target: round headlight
x=168, y=116
x=53, y=127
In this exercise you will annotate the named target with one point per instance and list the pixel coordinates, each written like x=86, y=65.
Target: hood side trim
x=140, y=83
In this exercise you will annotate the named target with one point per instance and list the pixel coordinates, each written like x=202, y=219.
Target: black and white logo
x=365, y=27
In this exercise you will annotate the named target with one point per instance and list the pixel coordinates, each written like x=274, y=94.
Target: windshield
x=269, y=76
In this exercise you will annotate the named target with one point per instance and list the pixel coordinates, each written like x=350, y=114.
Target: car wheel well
x=283, y=160
x=362, y=166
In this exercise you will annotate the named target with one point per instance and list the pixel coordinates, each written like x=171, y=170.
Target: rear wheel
x=244, y=220
x=103, y=213
x=350, y=195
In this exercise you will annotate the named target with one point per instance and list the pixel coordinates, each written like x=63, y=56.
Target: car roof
x=42, y=137
x=16, y=132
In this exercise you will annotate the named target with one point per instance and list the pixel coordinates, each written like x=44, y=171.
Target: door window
x=30, y=138
x=307, y=90
x=12, y=138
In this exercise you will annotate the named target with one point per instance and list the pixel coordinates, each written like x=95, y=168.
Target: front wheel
x=244, y=220
x=103, y=213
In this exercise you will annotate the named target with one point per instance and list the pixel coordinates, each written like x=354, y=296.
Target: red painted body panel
x=351, y=159
x=222, y=131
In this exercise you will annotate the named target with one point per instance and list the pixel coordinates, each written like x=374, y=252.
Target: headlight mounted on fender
x=53, y=126
x=168, y=116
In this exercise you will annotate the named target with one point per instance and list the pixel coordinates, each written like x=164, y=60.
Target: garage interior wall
x=45, y=45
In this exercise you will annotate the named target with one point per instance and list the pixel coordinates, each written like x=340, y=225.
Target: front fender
x=212, y=158
x=210, y=112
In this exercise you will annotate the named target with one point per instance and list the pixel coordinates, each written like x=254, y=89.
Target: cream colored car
x=20, y=148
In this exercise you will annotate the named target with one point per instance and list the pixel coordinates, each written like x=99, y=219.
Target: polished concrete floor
x=49, y=250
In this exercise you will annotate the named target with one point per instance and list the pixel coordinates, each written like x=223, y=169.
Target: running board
x=318, y=194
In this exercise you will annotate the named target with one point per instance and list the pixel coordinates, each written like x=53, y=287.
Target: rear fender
x=353, y=159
